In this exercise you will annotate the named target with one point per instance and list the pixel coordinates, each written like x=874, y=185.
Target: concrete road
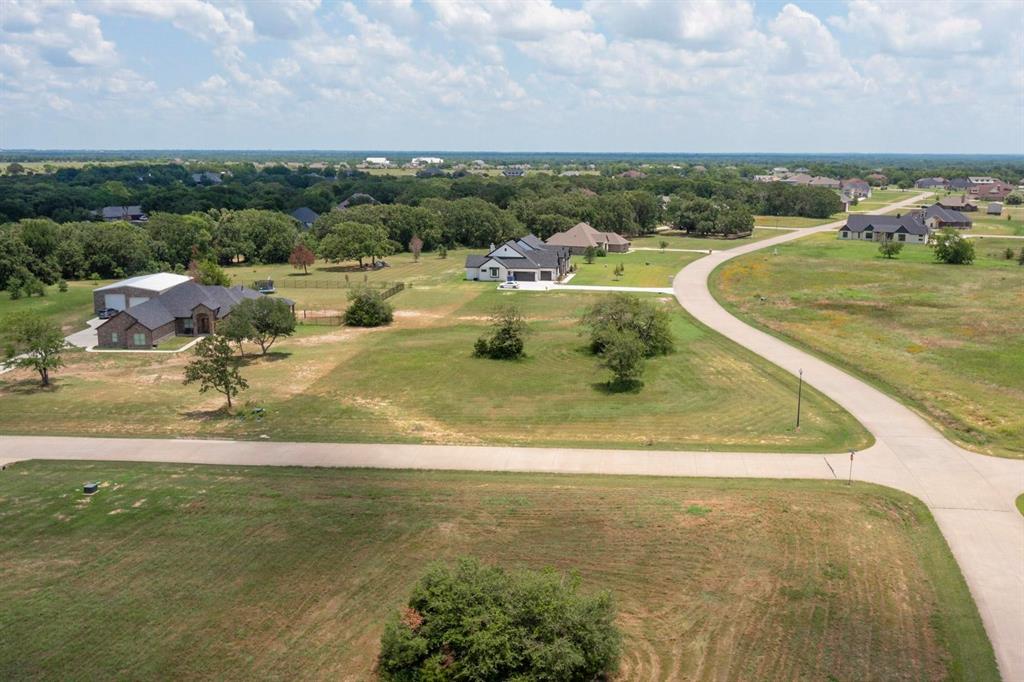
x=970, y=495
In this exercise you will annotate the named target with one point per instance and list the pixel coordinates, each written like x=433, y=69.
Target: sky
x=935, y=76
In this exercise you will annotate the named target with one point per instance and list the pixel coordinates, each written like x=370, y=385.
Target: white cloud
x=511, y=19
x=214, y=24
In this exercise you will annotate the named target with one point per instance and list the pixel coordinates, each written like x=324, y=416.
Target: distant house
x=527, y=259
x=356, y=199
x=958, y=202
x=582, y=236
x=765, y=178
x=514, y=172
x=906, y=228
x=207, y=178
x=990, y=188
x=184, y=309
x=877, y=178
x=377, y=161
x=958, y=184
x=799, y=179
x=132, y=214
x=305, y=216
x=427, y=161
x=937, y=217
x=994, y=208
x=822, y=181
x=632, y=173
x=855, y=187
x=930, y=183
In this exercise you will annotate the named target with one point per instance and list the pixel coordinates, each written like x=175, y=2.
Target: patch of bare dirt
x=407, y=423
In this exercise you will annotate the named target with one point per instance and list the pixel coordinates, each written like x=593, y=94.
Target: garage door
x=546, y=275
x=137, y=300
x=524, y=276
x=115, y=301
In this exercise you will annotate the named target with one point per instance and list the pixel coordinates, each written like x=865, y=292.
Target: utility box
x=90, y=488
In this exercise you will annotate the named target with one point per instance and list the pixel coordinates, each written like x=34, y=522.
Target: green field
x=417, y=381
x=186, y=572
x=69, y=309
x=642, y=268
x=679, y=240
x=1011, y=222
x=881, y=197
x=946, y=339
x=795, y=221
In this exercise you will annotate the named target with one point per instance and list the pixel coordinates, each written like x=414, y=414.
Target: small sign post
x=799, y=397
x=849, y=481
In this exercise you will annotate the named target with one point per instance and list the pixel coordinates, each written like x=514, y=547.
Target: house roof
x=931, y=182
x=305, y=215
x=994, y=207
x=117, y=212
x=161, y=281
x=582, y=235
x=855, y=182
x=532, y=254
x=799, y=179
x=910, y=223
x=954, y=201
x=181, y=300
x=945, y=215
x=822, y=181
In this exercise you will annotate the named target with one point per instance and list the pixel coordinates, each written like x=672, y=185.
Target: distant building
x=377, y=161
x=996, y=189
x=994, y=208
x=634, y=174
x=798, y=179
x=427, y=161
x=930, y=183
x=522, y=260
x=305, y=216
x=132, y=214
x=957, y=202
x=582, y=236
x=855, y=187
x=937, y=217
x=877, y=178
x=906, y=228
x=514, y=172
x=206, y=178
x=822, y=181
x=356, y=199
x=958, y=184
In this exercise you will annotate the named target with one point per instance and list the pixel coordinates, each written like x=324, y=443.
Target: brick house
x=185, y=309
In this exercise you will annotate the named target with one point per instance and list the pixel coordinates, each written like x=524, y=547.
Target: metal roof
x=161, y=281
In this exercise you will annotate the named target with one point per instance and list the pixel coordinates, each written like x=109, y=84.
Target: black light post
x=799, y=396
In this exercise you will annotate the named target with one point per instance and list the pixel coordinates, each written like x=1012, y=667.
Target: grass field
x=795, y=221
x=678, y=240
x=184, y=572
x=881, y=197
x=643, y=268
x=417, y=381
x=1011, y=222
x=946, y=339
x=69, y=309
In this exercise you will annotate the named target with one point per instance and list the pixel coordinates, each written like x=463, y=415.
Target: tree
x=442, y=251
x=237, y=327
x=663, y=244
x=623, y=312
x=302, y=257
x=890, y=248
x=367, y=308
x=355, y=241
x=735, y=220
x=506, y=339
x=589, y=254
x=415, y=247
x=269, y=319
x=15, y=168
x=36, y=343
x=215, y=367
x=623, y=355
x=1020, y=257
x=476, y=622
x=208, y=273
x=697, y=216
x=951, y=247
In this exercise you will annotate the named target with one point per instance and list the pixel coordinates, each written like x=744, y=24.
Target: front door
x=203, y=324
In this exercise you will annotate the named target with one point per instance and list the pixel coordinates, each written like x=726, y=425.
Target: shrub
x=623, y=356
x=951, y=247
x=476, y=622
x=506, y=341
x=442, y=251
x=62, y=286
x=890, y=248
x=367, y=308
x=589, y=254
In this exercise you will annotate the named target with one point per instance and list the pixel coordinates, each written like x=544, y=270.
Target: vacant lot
x=182, y=572
x=881, y=197
x=642, y=268
x=417, y=381
x=69, y=309
x=679, y=240
x=795, y=221
x=1010, y=222
x=947, y=339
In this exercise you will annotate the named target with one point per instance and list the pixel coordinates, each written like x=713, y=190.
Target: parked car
x=107, y=313
x=511, y=284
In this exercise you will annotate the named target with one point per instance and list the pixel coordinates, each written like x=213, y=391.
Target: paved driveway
x=87, y=337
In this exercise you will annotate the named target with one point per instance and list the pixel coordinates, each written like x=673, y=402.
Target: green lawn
x=69, y=309
x=679, y=240
x=881, y=197
x=642, y=268
x=795, y=221
x=1011, y=222
x=946, y=339
x=418, y=382
x=175, y=342
x=186, y=572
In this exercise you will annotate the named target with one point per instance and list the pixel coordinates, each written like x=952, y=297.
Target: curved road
x=970, y=495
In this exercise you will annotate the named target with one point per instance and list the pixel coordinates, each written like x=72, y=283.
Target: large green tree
x=269, y=319
x=952, y=247
x=354, y=241
x=626, y=313
x=215, y=367
x=34, y=342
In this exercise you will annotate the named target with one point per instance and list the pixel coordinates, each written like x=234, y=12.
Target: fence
x=303, y=283
x=332, y=318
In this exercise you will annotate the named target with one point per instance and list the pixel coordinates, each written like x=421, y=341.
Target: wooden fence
x=330, y=317
x=303, y=283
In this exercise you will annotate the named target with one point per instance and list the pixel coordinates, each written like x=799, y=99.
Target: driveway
x=87, y=337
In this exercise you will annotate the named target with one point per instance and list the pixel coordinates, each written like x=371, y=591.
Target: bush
x=951, y=247
x=626, y=313
x=367, y=309
x=506, y=341
x=62, y=286
x=475, y=622
x=623, y=356
x=890, y=248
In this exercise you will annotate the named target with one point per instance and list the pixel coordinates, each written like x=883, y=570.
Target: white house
x=427, y=161
x=377, y=161
x=908, y=228
x=527, y=259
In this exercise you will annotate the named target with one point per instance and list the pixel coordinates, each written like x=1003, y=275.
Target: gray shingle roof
x=533, y=254
x=945, y=215
x=305, y=215
x=120, y=212
x=181, y=300
x=910, y=223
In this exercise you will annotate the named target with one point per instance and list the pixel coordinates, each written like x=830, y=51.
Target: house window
x=186, y=325
x=139, y=339
x=494, y=272
x=113, y=337
x=901, y=237
x=869, y=235
x=845, y=234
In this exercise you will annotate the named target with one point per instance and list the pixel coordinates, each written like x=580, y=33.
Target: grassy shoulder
x=945, y=339
x=417, y=381
x=273, y=572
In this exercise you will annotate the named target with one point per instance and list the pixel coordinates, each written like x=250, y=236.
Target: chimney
x=492, y=246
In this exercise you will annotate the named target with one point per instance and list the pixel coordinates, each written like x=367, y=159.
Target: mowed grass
x=184, y=572
x=642, y=268
x=1009, y=222
x=881, y=197
x=69, y=309
x=679, y=240
x=946, y=339
x=418, y=382
x=795, y=221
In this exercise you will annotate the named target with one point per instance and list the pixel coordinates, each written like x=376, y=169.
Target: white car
x=509, y=285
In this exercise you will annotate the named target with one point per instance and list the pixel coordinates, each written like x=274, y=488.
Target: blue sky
x=940, y=76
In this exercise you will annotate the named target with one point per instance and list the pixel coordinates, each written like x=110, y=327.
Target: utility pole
x=799, y=397
x=849, y=481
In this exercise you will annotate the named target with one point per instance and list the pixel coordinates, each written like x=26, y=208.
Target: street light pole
x=799, y=397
